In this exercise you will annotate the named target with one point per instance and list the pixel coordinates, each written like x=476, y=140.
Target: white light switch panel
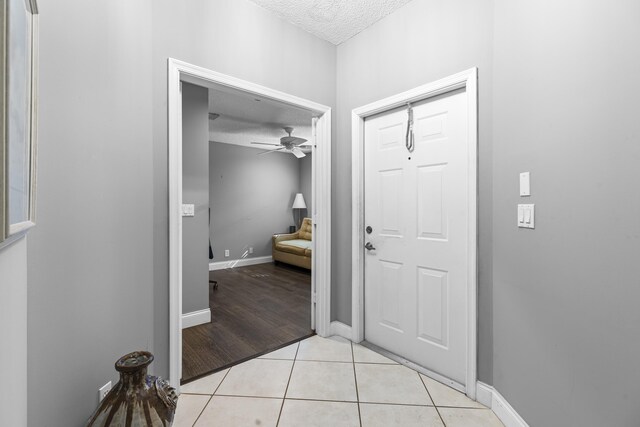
x=188, y=210
x=526, y=216
x=525, y=184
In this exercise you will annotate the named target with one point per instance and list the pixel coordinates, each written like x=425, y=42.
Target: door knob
x=368, y=246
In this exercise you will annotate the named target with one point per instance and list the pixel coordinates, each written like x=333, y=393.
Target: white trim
x=179, y=71
x=468, y=80
x=506, y=413
x=491, y=398
x=484, y=394
x=340, y=329
x=20, y=227
x=175, y=225
x=221, y=265
x=321, y=253
x=196, y=318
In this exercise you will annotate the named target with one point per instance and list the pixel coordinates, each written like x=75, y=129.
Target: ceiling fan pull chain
x=409, y=139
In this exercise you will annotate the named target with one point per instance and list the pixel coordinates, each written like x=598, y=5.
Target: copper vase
x=138, y=399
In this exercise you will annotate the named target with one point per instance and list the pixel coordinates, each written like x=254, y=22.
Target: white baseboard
x=490, y=397
x=196, y=318
x=484, y=394
x=221, y=265
x=506, y=413
x=340, y=329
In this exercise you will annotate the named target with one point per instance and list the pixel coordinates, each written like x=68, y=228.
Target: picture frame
x=18, y=117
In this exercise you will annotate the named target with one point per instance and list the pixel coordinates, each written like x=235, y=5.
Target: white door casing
x=416, y=203
x=179, y=71
x=431, y=329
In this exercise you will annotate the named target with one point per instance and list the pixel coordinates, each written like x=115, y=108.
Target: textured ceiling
x=244, y=120
x=333, y=20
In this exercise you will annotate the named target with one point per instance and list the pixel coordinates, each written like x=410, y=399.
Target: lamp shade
x=298, y=202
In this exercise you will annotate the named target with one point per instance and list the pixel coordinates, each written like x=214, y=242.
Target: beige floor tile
x=206, y=385
x=332, y=349
x=285, y=353
x=322, y=381
x=375, y=415
x=189, y=408
x=226, y=411
x=469, y=417
x=390, y=384
x=364, y=355
x=313, y=413
x=443, y=395
x=257, y=378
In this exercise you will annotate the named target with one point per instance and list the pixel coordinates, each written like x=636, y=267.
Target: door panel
x=417, y=204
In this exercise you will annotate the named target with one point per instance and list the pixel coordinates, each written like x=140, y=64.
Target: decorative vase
x=138, y=399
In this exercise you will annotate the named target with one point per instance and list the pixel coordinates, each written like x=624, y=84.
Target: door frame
x=468, y=80
x=180, y=71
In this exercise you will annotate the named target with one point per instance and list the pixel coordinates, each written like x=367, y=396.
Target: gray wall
x=306, y=172
x=90, y=264
x=13, y=333
x=195, y=190
x=421, y=42
x=251, y=198
x=98, y=259
x=566, y=294
x=234, y=37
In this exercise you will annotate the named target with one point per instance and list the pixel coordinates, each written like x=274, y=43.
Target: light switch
x=188, y=210
x=526, y=216
x=525, y=184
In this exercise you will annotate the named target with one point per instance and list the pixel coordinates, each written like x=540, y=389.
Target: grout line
x=211, y=397
x=203, y=408
x=432, y=401
x=306, y=399
x=364, y=403
x=355, y=380
x=288, y=381
x=223, y=378
x=378, y=363
x=463, y=407
x=249, y=396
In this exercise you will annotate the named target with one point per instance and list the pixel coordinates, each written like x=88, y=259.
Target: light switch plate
x=525, y=184
x=526, y=216
x=188, y=210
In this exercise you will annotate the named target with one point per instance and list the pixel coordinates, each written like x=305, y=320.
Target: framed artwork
x=18, y=116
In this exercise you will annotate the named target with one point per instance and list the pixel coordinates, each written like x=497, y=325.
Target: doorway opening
x=243, y=246
x=414, y=266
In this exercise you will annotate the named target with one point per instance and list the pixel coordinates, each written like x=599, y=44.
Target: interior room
x=538, y=303
x=250, y=182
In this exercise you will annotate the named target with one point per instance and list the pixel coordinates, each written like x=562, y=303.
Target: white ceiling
x=244, y=120
x=333, y=20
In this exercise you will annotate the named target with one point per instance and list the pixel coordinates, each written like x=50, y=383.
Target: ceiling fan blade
x=266, y=143
x=270, y=151
x=297, y=152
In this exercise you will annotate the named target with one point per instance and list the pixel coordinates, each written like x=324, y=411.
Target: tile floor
x=325, y=382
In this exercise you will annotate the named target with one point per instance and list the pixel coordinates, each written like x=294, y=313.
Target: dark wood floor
x=255, y=309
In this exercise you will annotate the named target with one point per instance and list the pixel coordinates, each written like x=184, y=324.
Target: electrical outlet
x=226, y=252
x=102, y=391
x=250, y=250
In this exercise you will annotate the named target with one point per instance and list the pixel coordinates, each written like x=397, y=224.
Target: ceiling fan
x=288, y=143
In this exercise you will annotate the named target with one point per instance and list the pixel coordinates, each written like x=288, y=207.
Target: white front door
x=416, y=203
